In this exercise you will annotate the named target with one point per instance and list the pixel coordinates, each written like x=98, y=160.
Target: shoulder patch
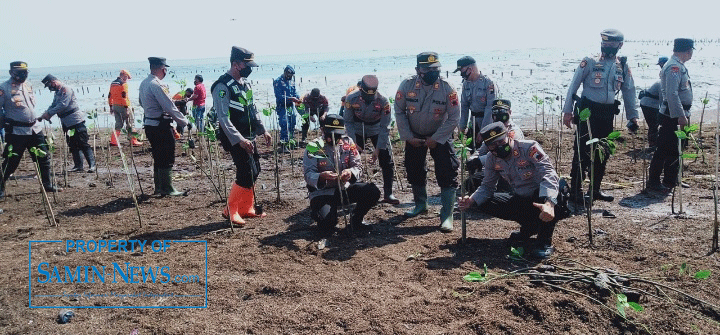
x=386, y=109
x=491, y=88
x=222, y=93
x=583, y=63
x=535, y=153
x=398, y=95
x=1, y=93
x=675, y=69
x=453, y=98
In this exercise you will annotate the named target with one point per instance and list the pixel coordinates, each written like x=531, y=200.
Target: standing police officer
x=478, y=94
x=427, y=111
x=535, y=188
x=72, y=118
x=677, y=98
x=22, y=130
x=602, y=78
x=367, y=115
x=160, y=110
x=285, y=99
x=239, y=124
x=650, y=105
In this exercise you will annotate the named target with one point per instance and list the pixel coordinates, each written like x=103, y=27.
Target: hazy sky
x=68, y=32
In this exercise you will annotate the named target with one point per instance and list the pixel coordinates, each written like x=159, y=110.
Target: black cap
x=501, y=104
x=493, y=132
x=48, y=79
x=199, y=77
x=662, y=60
x=289, y=69
x=315, y=92
x=369, y=84
x=428, y=59
x=465, y=61
x=157, y=61
x=683, y=44
x=334, y=123
x=239, y=54
x=19, y=65
x=612, y=35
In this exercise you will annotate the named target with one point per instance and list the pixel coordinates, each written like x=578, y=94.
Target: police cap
x=334, y=123
x=501, y=104
x=683, y=44
x=428, y=59
x=662, y=60
x=19, y=65
x=48, y=79
x=612, y=35
x=157, y=61
x=493, y=132
x=239, y=54
x=463, y=62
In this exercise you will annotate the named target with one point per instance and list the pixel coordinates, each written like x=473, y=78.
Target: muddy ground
x=405, y=277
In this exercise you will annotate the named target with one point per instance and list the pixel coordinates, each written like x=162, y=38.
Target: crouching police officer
x=534, y=201
x=22, y=131
x=321, y=175
x=65, y=106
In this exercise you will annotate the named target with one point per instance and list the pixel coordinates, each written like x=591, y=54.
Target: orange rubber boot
x=231, y=211
x=113, y=138
x=134, y=141
x=176, y=134
x=247, y=204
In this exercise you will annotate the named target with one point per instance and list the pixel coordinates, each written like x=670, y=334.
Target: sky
x=76, y=32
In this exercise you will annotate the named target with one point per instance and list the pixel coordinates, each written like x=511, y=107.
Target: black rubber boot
x=77, y=160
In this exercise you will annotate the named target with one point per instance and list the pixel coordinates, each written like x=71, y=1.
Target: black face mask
x=52, y=88
x=609, y=51
x=501, y=116
x=288, y=76
x=20, y=76
x=465, y=74
x=430, y=77
x=368, y=98
x=502, y=151
x=245, y=72
x=331, y=138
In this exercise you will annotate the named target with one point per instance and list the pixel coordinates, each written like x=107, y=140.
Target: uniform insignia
x=436, y=86
x=347, y=104
x=346, y=146
x=536, y=154
x=516, y=152
x=355, y=106
x=675, y=69
x=411, y=94
x=597, y=80
x=336, y=123
x=398, y=95
x=511, y=133
x=222, y=93
x=387, y=109
x=417, y=84
x=483, y=99
x=498, y=167
x=583, y=64
x=522, y=163
x=527, y=174
x=18, y=104
x=491, y=88
x=453, y=99
x=431, y=59
x=1, y=93
x=411, y=109
x=598, y=74
x=236, y=89
x=166, y=89
x=322, y=163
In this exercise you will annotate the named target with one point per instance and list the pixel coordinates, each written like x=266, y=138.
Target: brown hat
x=126, y=73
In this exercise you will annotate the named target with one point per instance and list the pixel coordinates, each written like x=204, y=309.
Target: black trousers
x=323, y=208
x=652, y=119
x=472, y=132
x=19, y=143
x=666, y=156
x=386, y=162
x=521, y=210
x=305, y=128
x=446, y=164
x=79, y=140
x=247, y=167
x=162, y=145
x=601, y=124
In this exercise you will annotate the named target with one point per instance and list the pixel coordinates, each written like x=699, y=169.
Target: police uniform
x=65, y=106
x=372, y=120
x=426, y=111
x=650, y=105
x=284, y=91
x=476, y=102
x=602, y=78
x=22, y=131
x=677, y=98
x=160, y=111
x=533, y=179
x=325, y=196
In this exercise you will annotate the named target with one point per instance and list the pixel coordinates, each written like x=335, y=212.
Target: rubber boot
x=447, y=197
x=77, y=160
x=156, y=179
x=114, y=138
x=598, y=194
x=420, y=197
x=231, y=211
x=134, y=141
x=2, y=188
x=45, y=177
x=388, y=198
x=166, y=187
x=246, y=206
x=90, y=158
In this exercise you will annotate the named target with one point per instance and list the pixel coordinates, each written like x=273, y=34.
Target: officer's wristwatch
x=551, y=199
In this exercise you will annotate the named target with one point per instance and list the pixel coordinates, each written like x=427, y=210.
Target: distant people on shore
x=121, y=108
x=285, y=99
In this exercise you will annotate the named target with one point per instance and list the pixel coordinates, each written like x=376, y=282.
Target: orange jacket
x=118, y=94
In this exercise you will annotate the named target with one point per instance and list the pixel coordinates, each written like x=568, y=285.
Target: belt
x=357, y=119
x=478, y=114
x=64, y=114
x=684, y=106
x=13, y=123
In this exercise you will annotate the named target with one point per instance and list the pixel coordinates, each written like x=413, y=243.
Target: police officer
x=427, y=111
x=677, y=98
x=160, y=111
x=602, y=78
x=367, y=115
x=285, y=99
x=535, y=189
x=317, y=106
x=22, y=130
x=501, y=112
x=478, y=94
x=650, y=105
x=239, y=124
x=337, y=156
x=65, y=106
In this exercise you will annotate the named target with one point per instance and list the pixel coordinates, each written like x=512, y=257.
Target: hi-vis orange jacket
x=118, y=95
